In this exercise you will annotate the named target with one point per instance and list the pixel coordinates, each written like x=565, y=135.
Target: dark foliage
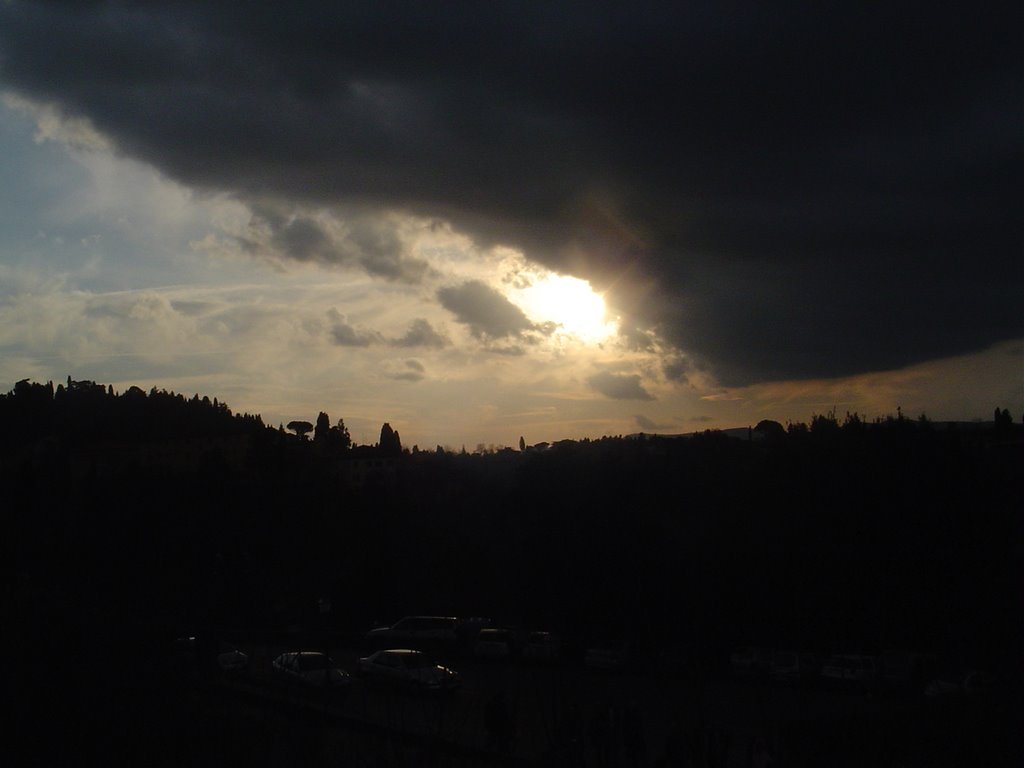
x=136, y=517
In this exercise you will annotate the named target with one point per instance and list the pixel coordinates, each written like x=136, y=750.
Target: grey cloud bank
x=781, y=190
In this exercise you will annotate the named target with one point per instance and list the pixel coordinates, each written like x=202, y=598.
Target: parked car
x=416, y=632
x=906, y=671
x=750, y=661
x=850, y=671
x=409, y=668
x=228, y=659
x=678, y=660
x=542, y=646
x=794, y=667
x=311, y=668
x=970, y=684
x=493, y=643
x=609, y=656
x=466, y=630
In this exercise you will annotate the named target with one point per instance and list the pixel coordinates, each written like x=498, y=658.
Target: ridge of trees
x=840, y=532
x=87, y=411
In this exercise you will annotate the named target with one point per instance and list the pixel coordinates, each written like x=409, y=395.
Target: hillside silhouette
x=138, y=516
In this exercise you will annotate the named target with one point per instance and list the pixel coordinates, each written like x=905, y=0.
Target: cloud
x=193, y=308
x=722, y=397
x=778, y=192
x=421, y=334
x=413, y=370
x=337, y=237
x=484, y=310
x=645, y=423
x=53, y=125
x=619, y=386
x=345, y=335
x=675, y=368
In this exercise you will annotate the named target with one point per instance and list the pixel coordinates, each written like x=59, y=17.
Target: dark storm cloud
x=485, y=311
x=780, y=190
x=303, y=239
x=619, y=386
x=675, y=368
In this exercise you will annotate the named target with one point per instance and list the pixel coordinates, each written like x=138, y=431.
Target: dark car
x=750, y=661
x=494, y=643
x=906, y=671
x=850, y=671
x=611, y=656
x=190, y=652
x=408, y=668
x=542, y=647
x=794, y=667
x=416, y=632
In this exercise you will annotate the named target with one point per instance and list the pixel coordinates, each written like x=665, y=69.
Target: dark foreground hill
x=135, y=517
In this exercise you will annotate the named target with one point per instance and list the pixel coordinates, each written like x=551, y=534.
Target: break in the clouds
x=619, y=386
x=779, y=190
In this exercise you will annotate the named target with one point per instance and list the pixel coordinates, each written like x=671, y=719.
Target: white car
x=311, y=668
x=410, y=668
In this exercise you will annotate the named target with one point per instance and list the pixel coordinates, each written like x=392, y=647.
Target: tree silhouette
x=772, y=430
x=344, y=438
x=390, y=442
x=323, y=428
x=300, y=428
x=1002, y=421
x=331, y=439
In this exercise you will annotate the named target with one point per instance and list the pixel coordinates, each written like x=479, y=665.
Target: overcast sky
x=365, y=208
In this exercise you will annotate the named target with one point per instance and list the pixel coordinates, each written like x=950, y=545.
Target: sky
x=481, y=221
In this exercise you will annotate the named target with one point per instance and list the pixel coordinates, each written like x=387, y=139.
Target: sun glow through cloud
x=570, y=303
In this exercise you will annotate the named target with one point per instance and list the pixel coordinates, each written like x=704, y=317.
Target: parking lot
x=567, y=712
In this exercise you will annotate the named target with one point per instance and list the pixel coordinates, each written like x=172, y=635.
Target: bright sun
x=569, y=302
